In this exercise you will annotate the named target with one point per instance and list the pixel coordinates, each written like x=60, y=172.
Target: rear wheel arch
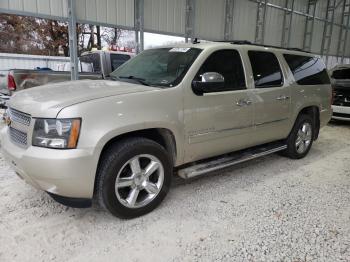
x=314, y=112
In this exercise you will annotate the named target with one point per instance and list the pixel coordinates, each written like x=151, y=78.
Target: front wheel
x=300, y=139
x=134, y=176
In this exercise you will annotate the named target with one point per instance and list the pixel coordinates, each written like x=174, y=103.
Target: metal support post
x=287, y=23
x=309, y=25
x=260, y=22
x=229, y=7
x=344, y=30
x=139, y=25
x=73, y=45
x=189, y=20
x=328, y=29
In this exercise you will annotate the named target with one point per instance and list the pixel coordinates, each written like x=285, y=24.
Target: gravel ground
x=269, y=209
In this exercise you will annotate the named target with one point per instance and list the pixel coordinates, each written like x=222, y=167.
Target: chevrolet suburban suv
x=188, y=109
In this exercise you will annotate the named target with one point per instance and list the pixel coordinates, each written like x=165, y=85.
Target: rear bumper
x=341, y=113
x=66, y=173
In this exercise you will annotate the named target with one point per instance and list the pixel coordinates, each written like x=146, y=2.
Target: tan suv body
x=206, y=100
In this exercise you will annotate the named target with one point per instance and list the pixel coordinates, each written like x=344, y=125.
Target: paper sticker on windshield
x=179, y=49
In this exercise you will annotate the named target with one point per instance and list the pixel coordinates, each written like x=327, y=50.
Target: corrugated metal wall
x=168, y=17
x=244, y=20
x=20, y=61
x=109, y=12
x=40, y=8
x=209, y=19
x=165, y=16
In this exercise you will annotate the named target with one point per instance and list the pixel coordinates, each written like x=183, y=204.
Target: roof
x=239, y=45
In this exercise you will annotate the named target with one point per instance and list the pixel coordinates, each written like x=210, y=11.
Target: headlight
x=56, y=133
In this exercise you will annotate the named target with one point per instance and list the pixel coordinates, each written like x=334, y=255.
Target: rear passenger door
x=272, y=104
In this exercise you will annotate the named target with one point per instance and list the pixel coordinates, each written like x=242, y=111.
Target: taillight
x=11, y=84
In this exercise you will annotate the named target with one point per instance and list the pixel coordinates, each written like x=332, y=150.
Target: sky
x=153, y=40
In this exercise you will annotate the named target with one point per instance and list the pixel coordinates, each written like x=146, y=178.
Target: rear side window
x=117, y=60
x=228, y=63
x=307, y=70
x=266, y=69
x=93, y=59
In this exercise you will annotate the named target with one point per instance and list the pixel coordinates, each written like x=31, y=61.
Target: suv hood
x=48, y=100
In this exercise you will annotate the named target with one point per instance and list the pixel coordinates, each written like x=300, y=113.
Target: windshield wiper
x=137, y=79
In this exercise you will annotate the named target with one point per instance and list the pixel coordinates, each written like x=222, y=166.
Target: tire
x=127, y=189
x=297, y=139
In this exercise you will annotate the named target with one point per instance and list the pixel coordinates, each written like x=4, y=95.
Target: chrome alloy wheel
x=304, y=137
x=139, y=181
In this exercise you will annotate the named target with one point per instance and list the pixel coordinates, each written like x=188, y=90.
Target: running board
x=230, y=160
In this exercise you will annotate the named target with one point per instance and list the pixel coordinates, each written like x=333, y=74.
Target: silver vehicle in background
x=101, y=64
x=340, y=76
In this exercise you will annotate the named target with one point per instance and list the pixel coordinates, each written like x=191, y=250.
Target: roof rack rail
x=195, y=41
x=246, y=42
x=237, y=42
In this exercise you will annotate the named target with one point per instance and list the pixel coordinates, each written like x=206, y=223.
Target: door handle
x=282, y=98
x=243, y=102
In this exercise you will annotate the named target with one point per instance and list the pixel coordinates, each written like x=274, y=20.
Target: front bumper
x=341, y=113
x=66, y=173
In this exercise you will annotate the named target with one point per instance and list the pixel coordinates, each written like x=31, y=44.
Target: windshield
x=157, y=67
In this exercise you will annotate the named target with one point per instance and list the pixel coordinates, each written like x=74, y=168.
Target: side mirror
x=210, y=82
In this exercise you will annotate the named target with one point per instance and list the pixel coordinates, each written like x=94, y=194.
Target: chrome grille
x=19, y=117
x=18, y=136
x=18, y=126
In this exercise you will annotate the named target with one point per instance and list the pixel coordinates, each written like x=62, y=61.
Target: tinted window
x=266, y=69
x=117, y=60
x=228, y=63
x=307, y=70
x=341, y=74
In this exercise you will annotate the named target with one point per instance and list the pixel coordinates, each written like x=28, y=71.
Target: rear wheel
x=300, y=139
x=134, y=176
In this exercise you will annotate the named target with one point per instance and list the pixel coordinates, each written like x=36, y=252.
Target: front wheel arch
x=162, y=136
x=112, y=163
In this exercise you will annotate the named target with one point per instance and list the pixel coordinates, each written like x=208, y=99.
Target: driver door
x=219, y=121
